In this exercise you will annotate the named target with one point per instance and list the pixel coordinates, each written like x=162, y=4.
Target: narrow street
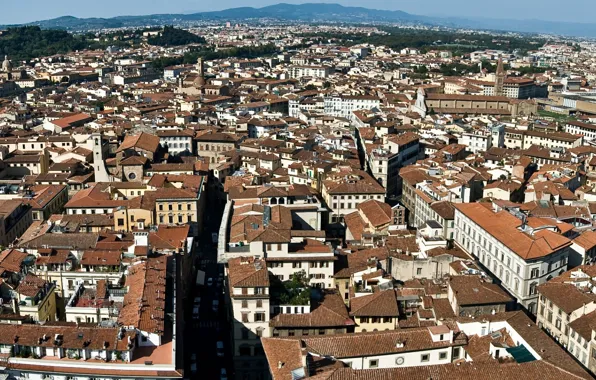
x=203, y=333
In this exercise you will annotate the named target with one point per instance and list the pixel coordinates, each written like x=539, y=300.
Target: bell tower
x=499, y=78
x=99, y=166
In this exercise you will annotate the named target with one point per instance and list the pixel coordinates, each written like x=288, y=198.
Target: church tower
x=200, y=81
x=499, y=78
x=99, y=167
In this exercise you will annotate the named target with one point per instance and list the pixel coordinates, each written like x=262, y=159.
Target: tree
x=171, y=36
x=296, y=291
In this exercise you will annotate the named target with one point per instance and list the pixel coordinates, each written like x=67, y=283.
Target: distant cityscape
x=274, y=198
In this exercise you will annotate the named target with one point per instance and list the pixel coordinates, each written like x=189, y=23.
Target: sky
x=16, y=12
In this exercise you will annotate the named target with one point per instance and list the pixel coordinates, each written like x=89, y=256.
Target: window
x=120, y=221
x=259, y=303
x=535, y=273
x=259, y=317
x=244, y=304
x=456, y=352
x=443, y=355
x=424, y=357
x=419, y=271
x=386, y=319
x=373, y=363
x=244, y=317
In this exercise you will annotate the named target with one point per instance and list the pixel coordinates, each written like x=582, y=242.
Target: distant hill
x=319, y=12
x=31, y=41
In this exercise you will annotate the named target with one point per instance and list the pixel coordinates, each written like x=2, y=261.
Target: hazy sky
x=14, y=12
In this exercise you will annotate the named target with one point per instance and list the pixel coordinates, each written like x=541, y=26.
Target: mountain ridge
x=319, y=12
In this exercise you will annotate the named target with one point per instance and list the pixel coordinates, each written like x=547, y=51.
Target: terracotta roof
x=536, y=370
x=376, y=343
x=377, y=213
x=473, y=290
x=504, y=227
x=329, y=312
x=12, y=260
x=144, y=304
x=30, y=286
x=142, y=141
x=566, y=296
x=94, y=258
x=379, y=304
x=74, y=337
x=247, y=272
x=169, y=237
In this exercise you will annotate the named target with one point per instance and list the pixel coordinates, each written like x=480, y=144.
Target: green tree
x=171, y=36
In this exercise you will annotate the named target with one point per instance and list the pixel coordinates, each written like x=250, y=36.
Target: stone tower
x=499, y=78
x=99, y=166
x=200, y=81
x=6, y=65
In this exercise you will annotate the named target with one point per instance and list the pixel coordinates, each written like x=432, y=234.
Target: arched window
x=282, y=201
x=273, y=201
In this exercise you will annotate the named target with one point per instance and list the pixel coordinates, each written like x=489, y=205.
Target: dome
x=6, y=65
x=199, y=81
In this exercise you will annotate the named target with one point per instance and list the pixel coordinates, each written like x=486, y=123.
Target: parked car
x=220, y=349
x=210, y=281
x=224, y=374
x=195, y=312
x=215, y=305
x=197, y=301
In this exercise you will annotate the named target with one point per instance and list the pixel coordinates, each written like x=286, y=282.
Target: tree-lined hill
x=32, y=41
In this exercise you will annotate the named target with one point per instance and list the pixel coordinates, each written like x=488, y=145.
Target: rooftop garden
x=296, y=291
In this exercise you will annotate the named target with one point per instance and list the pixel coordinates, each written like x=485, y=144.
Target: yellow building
x=139, y=213
x=180, y=206
x=375, y=312
x=37, y=298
